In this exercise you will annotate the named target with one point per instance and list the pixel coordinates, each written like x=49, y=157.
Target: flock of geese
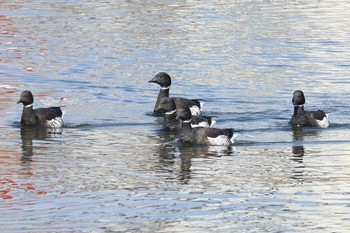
x=180, y=114
x=184, y=115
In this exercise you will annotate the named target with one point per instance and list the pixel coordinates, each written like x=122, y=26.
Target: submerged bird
x=306, y=118
x=167, y=107
x=203, y=136
x=40, y=117
x=164, y=80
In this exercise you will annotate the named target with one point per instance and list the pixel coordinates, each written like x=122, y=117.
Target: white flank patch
x=213, y=122
x=221, y=140
x=195, y=110
x=324, y=123
x=55, y=123
x=234, y=136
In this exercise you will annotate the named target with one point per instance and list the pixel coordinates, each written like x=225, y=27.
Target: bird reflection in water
x=169, y=154
x=170, y=149
x=28, y=134
x=299, y=134
x=298, y=149
x=188, y=152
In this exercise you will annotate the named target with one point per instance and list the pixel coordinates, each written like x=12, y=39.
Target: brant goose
x=164, y=80
x=306, y=118
x=40, y=117
x=203, y=136
x=167, y=107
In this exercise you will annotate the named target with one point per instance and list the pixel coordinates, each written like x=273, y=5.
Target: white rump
x=324, y=123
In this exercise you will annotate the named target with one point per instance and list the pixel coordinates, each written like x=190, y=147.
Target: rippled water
x=114, y=169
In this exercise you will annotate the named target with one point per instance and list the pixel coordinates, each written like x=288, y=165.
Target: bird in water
x=302, y=118
x=203, y=136
x=164, y=81
x=51, y=117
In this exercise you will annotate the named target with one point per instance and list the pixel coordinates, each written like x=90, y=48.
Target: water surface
x=114, y=169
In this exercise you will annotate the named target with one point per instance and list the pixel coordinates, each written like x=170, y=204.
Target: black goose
x=40, y=117
x=164, y=80
x=168, y=108
x=304, y=118
x=203, y=136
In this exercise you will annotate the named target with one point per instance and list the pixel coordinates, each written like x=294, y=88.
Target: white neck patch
x=164, y=88
x=298, y=105
x=188, y=121
x=171, y=112
x=28, y=106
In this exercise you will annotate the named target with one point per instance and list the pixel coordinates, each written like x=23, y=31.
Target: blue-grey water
x=113, y=169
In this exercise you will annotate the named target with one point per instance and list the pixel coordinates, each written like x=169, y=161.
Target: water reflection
x=168, y=157
x=300, y=136
x=204, y=151
x=185, y=172
x=298, y=150
x=189, y=152
x=29, y=134
x=176, y=157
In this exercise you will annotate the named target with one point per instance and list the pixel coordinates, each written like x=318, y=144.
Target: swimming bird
x=167, y=107
x=304, y=118
x=164, y=80
x=40, y=117
x=203, y=136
